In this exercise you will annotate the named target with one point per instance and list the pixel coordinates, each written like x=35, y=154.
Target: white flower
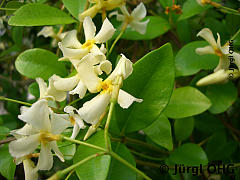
x=224, y=61
x=92, y=110
x=88, y=70
x=39, y=130
x=75, y=119
x=73, y=49
x=203, y=2
x=50, y=92
x=29, y=167
x=133, y=19
x=47, y=31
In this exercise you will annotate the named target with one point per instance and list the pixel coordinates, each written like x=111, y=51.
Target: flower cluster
x=43, y=125
x=223, y=72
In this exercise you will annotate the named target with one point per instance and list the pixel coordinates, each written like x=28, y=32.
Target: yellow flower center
x=218, y=52
x=106, y=86
x=88, y=44
x=129, y=19
x=72, y=120
x=206, y=1
x=46, y=137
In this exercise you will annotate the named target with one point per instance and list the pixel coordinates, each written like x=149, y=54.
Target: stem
x=219, y=6
x=118, y=37
x=83, y=143
x=128, y=140
x=8, y=9
x=61, y=173
x=69, y=175
x=117, y=157
x=2, y=3
x=16, y=101
x=7, y=140
x=146, y=156
x=108, y=147
x=236, y=34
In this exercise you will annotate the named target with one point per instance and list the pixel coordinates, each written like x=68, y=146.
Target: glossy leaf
x=160, y=132
x=191, y=8
x=152, y=80
x=37, y=62
x=97, y=168
x=188, y=154
x=7, y=165
x=39, y=15
x=183, y=128
x=187, y=62
x=156, y=27
x=4, y=131
x=222, y=97
x=185, y=102
x=75, y=7
x=119, y=171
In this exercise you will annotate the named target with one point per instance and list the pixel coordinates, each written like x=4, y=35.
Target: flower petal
x=208, y=36
x=71, y=41
x=54, y=147
x=28, y=170
x=140, y=27
x=59, y=123
x=92, y=11
x=65, y=84
x=125, y=100
x=223, y=63
x=24, y=131
x=47, y=31
x=37, y=115
x=42, y=87
x=75, y=132
x=58, y=95
x=124, y=68
x=205, y=50
x=45, y=160
x=124, y=10
x=89, y=28
x=113, y=4
x=217, y=77
x=139, y=12
x=106, y=32
x=93, y=109
x=88, y=75
x=81, y=90
x=24, y=146
x=71, y=53
x=104, y=66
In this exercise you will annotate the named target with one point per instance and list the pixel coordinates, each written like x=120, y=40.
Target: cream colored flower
x=86, y=78
x=92, y=110
x=99, y=6
x=224, y=61
x=50, y=92
x=203, y=2
x=75, y=119
x=39, y=130
x=134, y=19
x=73, y=49
x=47, y=31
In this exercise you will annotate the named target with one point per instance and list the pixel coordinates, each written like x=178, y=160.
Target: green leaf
x=37, y=62
x=222, y=97
x=4, y=131
x=160, y=132
x=224, y=149
x=156, y=27
x=68, y=150
x=183, y=128
x=34, y=89
x=7, y=165
x=187, y=62
x=13, y=5
x=185, y=102
x=39, y=15
x=191, y=8
x=188, y=154
x=17, y=35
x=75, y=7
x=95, y=169
x=152, y=80
x=119, y=171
